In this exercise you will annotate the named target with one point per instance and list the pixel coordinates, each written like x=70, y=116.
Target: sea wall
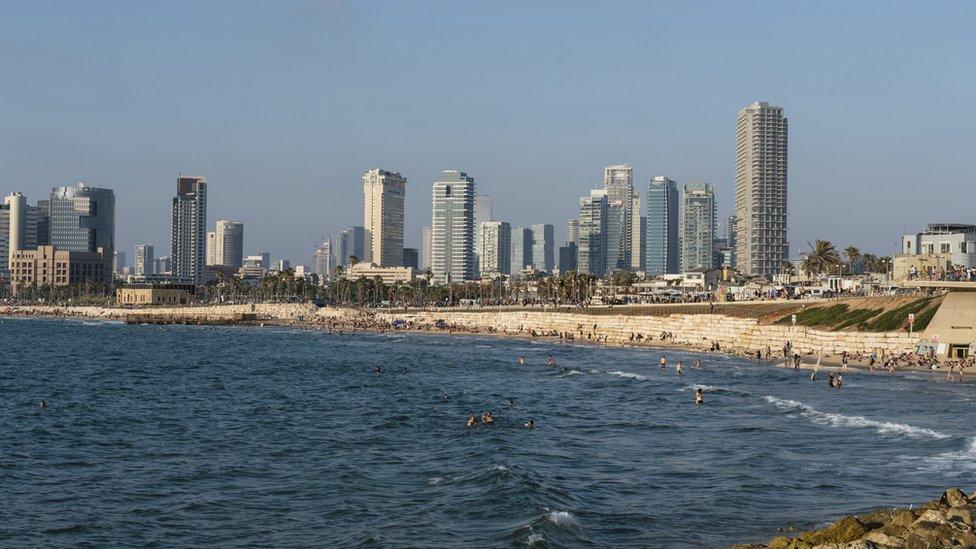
x=269, y=311
x=732, y=333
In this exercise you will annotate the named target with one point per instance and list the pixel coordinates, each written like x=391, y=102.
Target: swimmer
x=831, y=382
x=510, y=402
x=472, y=420
x=699, y=396
x=42, y=404
x=529, y=424
x=377, y=370
x=698, y=363
x=839, y=382
x=680, y=368
x=551, y=361
x=664, y=362
x=521, y=360
x=487, y=418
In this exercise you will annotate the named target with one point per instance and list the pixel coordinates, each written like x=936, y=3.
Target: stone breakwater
x=949, y=521
x=733, y=334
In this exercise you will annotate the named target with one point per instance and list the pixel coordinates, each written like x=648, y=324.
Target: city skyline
x=536, y=151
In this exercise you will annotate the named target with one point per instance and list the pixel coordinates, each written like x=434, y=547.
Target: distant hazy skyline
x=284, y=105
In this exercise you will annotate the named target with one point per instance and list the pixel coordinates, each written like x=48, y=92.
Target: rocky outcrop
x=945, y=522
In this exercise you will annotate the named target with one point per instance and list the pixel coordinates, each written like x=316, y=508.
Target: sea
x=278, y=437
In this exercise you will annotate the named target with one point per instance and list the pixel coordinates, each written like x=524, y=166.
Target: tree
x=852, y=254
x=822, y=258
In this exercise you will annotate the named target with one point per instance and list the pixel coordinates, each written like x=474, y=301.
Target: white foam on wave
x=573, y=373
x=534, y=539
x=499, y=468
x=594, y=371
x=961, y=461
x=840, y=420
x=628, y=375
x=561, y=518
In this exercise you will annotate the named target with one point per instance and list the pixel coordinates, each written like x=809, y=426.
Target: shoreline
x=352, y=321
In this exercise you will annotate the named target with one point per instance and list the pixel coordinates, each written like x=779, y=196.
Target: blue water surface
x=187, y=436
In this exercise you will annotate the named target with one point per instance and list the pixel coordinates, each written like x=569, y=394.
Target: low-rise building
x=155, y=294
x=49, y=266
x=389, y=275
x=955, y=239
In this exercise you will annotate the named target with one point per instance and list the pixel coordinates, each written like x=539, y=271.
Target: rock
x=878, y=519
x=844, y=530
x=784, y=542
x=881, y=538
x=903, y=518
x=931, y=517
x=930, y=534
x=962, y=515
x=953, y=497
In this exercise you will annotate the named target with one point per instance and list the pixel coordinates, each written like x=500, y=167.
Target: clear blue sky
x=283, y=105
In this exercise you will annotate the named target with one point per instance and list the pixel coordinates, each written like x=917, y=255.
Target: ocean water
x=187, y=436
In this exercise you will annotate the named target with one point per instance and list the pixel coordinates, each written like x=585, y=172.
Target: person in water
x=529, y=424
x=699, y=396
x=551, y=361
x=664, y=362
x=472, y=420
x=680, y=368
x=42, y=404
x=831, y=382
x=377, y=370
x=521, y=360
x=839, y=382
x=698, y=363
x=487, y=418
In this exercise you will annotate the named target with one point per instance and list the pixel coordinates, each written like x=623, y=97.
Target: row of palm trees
x=824, y=258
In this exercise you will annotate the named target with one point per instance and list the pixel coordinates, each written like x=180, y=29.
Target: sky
x=283, y=105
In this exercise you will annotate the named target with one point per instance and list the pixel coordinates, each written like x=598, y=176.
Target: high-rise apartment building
x=592, y=245
x=730, y=239
x=18, y=230
x=118, y=262
x=325, y=261
x=482, y=213
x=638, y=225
x=663, y=254
x=698, y=241
x=496, y=249
x=82, y=219
x=616, y=226
x=425, y=245
x=188, y=232
x=164, y=265
x=225, y=245
x=760, y=190
x=567, y=258
x=543, y=247
x=521, y=250
x=144, y=263
x=572, y=231
x=619, y=182
x=452, y=228
x=384, y=197
x=411, y=258
x=352, y=242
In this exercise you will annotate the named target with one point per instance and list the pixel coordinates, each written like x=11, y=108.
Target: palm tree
x=852, y=254
x=822, y=258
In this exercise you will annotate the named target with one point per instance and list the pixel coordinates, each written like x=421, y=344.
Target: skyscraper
x=496, y=249
x=82, y=219
x=760, y=190
x=226, y=247
x=521, y=250
x=411, y=258
x=638, y=225
x=663, y=254
x=697, y=244
x=543, y=247
x=188, y=229
x=325, y=261
x=619, y=182
x=426, y=242
x=482, y=213
x=572, y=231
x=118, y=264
x=144, y=264
x=452, y=230
x=384, y=195
x=567, y=258
x=352, y=242
x=592, y=245
x=731, y=237
x=616, y=226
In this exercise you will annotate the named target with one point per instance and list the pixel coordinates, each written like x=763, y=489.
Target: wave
x=573, y=373
x=704, y=388
x=840, y=420
x=561, y=518
x=628, y=375
x=954, y=463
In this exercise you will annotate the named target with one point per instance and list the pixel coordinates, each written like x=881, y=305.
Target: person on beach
x=699, y=396
x=472, y=420
x=949, y=376
x=680, y=368
x=759, y=355
x=769, y=353
x=551, y=361
x=521, y=360
x=796, y=361
x=664, y=362
x=844, y=360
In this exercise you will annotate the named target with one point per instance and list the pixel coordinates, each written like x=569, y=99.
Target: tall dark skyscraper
x=82, y=219
x=663, y=245
x=188, y=241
